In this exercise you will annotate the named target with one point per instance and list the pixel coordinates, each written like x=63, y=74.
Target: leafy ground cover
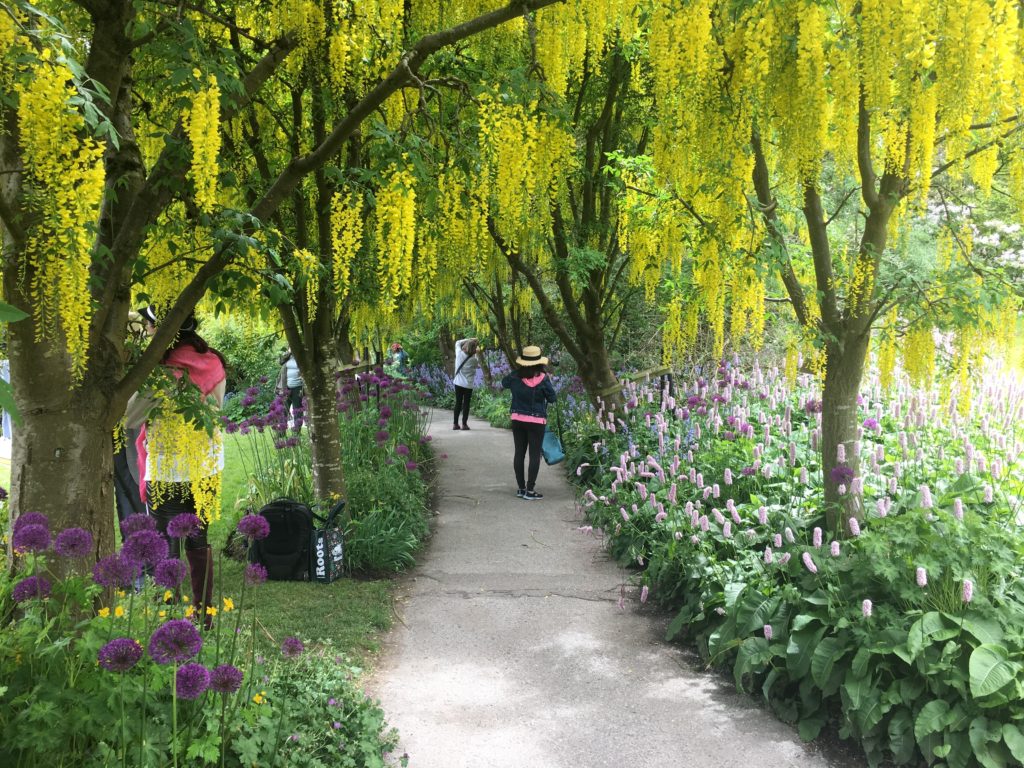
x=906, y=629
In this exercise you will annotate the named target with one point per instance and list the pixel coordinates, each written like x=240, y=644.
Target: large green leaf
x=753, y=656
x=1014, y=740
x=984, y=629
x=960, y=749
x=801, y=649
x=990, y=669
x=901, y=736
x=930, y=628
x=982, y=733
x=931, y=718
x=823, y=662
x=10, y=314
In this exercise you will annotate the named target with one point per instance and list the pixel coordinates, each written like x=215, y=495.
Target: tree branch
x=864, y=162
x=822, y=255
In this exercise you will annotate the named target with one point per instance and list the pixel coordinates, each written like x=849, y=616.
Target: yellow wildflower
x=119, y=611
x=229, y=604
x=104, y=613
x=211, y=611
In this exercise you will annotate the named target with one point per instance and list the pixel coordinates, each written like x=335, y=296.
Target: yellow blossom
x=103, y=613
x=229, y=604
x=211, y=611
x=119, y=611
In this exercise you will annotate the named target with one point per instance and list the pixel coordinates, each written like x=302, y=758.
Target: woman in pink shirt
x=531, y=392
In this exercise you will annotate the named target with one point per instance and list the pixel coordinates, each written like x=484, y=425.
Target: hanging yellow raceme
x=396, y=235
x=65, y=178
x=346, y=239
x=307, y=271
x=203, y=126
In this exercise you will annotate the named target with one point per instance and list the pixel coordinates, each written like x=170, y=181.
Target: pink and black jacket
x=530, y=397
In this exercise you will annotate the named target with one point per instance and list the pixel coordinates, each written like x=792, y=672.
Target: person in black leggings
x=531, y=392
x=466, y=364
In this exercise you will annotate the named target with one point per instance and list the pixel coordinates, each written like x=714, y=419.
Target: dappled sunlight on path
x=511, y=651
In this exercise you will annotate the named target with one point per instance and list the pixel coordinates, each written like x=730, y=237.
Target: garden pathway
x=510, y=650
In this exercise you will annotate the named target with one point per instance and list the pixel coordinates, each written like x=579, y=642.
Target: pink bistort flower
x=922, y=577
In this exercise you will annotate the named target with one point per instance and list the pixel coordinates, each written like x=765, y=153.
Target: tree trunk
x=63, y=457
x=325, y=439
x=597, y=376
x=844, y=370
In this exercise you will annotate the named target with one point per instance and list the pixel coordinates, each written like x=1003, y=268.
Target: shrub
x=905, y=628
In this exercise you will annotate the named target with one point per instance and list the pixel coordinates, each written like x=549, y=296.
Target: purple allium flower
x=255, y=574
x=808, y=562
x=872, y=424
x=385, y=412
x=812, y=406
x=816, y=538
x=841, y=474
x=382, y=435
x=411, y=465
x=176, y=641
x=117, y=571
x=192, y=681
x=402, y=449
x=120, y=654
x=146, y=547
x=225, y=679
x=747, y=471
x=292, y=647
x=854, y=526
x=31, y=538
x=968, y=594
x=73, y=542
x=768, y=632
x=170, y=573
x=184, y=526
x=254, y=527
x=31, y=518
x=33, y=586
x=865, y=608
x=922, y=577
x=134, y=523
x=834, y=549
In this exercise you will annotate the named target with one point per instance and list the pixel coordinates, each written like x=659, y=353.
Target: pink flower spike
x=727, y=529
x=809, y=563
x=865, y=608
x=778, y=541
x=694, y=539
x=926, y=497
x=768, y=632
x=816, y=538
x=803, y=476
x=728, y=476
x=880, y=507
x=968, y=590
x=958, y=509
x=768, y=557
x=988, y=494
x=644, y=593
x=834, y=549
x=854, y=526
x=922, y=577
x=841, y=453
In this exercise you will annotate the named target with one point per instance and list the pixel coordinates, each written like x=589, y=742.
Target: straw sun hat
x=531, y=356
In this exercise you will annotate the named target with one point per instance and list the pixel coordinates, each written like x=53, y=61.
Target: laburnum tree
x=113, y=116
x=800, y=142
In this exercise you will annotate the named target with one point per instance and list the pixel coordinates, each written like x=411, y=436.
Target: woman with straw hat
x=531, y=392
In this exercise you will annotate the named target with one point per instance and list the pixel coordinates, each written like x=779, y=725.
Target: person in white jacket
x=467, y=352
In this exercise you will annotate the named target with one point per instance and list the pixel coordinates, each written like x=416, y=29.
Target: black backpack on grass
x=285, y=552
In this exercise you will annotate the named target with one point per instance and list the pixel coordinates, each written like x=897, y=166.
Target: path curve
x=510, y=650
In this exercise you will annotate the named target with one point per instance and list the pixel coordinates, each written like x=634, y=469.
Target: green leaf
x=1014, y=740
x=931, y=719
x=10, y=314
x=800, y=649
x=983, y=628
x=929, y=629
x=811, y=725
x=753, y=656
x=901, y=735
x=828, y=652
x=982, y=732
x=990, y=669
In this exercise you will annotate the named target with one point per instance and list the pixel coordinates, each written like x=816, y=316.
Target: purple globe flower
x=225, y=679
x=255, y=574
x=33, y=586
x=31, y=538
x=402, y=449
x=146, y=547
x=176, y=641
x=73, y=542
x=411, y=465
x=382, y=435
x=120, y=654
x=292, y=647
x=254, y=527
x=117, y=571
x=184, y=526
x=170, y=573
x=135, y=523
x=31, y=518
x=841, y=474
x=192, y=681
x=385, y=412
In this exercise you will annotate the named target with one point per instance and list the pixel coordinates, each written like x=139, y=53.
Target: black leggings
x=462, y=397
x=176, y=499
x=527, y=435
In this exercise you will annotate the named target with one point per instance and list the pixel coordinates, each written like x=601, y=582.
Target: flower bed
x=137, y=683
x=906, y=629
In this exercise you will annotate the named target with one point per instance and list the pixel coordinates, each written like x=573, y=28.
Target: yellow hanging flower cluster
x=679, y=331
x=396, y=235
x=919, y=355
x=186, y=454
x=346, y=238
x=203, y=126
x=65, y=177
x=308, y=272
x=748, y=311
x=887, y=352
